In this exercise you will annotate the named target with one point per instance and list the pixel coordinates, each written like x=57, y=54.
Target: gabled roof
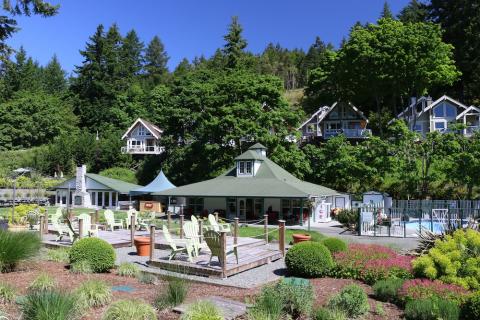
x=114, y=184
x=322, y=112
x=270, y=181
x=442, y=99
x=153, y=129
x=257, y=145
x=160, y=183
x=467, y=111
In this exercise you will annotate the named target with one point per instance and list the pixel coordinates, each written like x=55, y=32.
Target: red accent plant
x=371, y=263
x=426, y=288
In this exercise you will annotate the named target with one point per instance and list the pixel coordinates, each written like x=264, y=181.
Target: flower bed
x=425, y=288
x=371, y=263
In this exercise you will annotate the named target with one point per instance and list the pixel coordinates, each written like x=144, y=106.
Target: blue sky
x=189, y=28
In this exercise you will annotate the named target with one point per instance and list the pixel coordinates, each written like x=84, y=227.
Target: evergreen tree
x=182, y=68
x=415, y=11
x=235, y=45
x=314, y=58
x=386, y=12
x=54, y=77
x=156, y=59
x=131, y=55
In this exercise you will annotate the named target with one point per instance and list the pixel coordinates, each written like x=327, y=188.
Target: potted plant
x=300, y=237
x=143, y=246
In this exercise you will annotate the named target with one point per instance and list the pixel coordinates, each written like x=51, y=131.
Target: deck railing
x=143, y=149
x=349, y=133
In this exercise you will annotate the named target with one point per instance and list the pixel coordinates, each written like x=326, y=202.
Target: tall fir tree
x=415, y=11
x=53, y=77
x=131, y=55
x=235, y=43
x=386, y=11
x=156, y=59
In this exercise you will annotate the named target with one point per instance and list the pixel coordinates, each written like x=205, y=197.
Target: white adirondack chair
x=61, y=229
x=89, y=229
x=111, y=221
x=218, y=227
x=178, y=245
x=190, y=229
x=130, y=213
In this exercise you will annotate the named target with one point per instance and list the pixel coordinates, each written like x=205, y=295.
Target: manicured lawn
x=258, y=233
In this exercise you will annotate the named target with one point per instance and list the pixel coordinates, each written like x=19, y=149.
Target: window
x=438, y=111
x=114, y=199
x=241, y=167
x=418, y=128
x=439, y=125
x=286, y=209
x=249, y=167
x=444, y=110
x=141, y=131
x=450, y=110
x=334, y=125
x=100, y=199
x=195, y=205
x=107, y=199
x=93, y=197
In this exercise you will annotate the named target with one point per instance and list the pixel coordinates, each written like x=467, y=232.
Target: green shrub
x=433, y=308
x=93, y=293
x=308, y=259
x=174, y=295
x=21, y=212
x=17, y=246
x=352, y=300
x=147, y=278
x=127, y=269
x=387, y=290
x=50, y=305
x=129, y=310
x=99, y=253
x=329, y=314
x=455, y=260
x=348, y=218
x=58, y=255
x=119, y=173
x=283, y=299
x=43, y=282
x=334, y=244
x=202, y=310
x=471, y=308
x=7, y=293
x=81, y=267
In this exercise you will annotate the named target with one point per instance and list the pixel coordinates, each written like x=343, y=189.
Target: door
x=241, y=209
x=245, y=209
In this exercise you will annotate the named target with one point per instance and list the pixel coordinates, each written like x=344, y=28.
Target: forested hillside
x=214, y=107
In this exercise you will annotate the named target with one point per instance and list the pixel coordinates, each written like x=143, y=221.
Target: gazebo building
x=256, y=186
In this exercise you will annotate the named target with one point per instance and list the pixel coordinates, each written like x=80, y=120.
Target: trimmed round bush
x=308, y=259
x=471, y=308
x=387, y=290
x=433, y=308
x=352, y=300
x=99, y=254
x=334, y=244
x=129, y=310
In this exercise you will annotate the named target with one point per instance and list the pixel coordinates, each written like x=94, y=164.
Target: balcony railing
x=143, y=149
x=349, y=133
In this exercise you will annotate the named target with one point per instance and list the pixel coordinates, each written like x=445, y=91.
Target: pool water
x=435, y=226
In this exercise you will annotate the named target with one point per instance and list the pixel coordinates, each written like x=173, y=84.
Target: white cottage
x=142, y=137
x=89, y=190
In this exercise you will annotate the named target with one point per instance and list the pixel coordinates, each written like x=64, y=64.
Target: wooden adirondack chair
x=111, y=221
x=58, y=214
x=89, y=229
x=178, y=245
x=190, y=229
x=212, y=238
x=218, y=226
x=61, y=229
x=145, y=222
x=128, y=219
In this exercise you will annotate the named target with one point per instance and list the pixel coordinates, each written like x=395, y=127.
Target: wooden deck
x=249, y=257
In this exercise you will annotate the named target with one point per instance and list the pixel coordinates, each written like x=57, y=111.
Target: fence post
x=281, y=236
x=80, y=229
x=359, y=221
x=181, y=225
x=420, y=221
x=389, y=219
x=461, y=218
x=200, y=230
x=375, y=215
x=265, y=227
x=132, y=229
x=152, y=241
x=235, y=230
x=169, y=219
x=42, y=219
x=96, y=220
x=45, y=222
x=431, y=219
x=223, y=252
x=216, y=216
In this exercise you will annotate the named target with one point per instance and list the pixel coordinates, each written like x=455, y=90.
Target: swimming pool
x=435, y=226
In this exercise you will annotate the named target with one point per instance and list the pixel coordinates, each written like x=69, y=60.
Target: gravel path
x=248, y=279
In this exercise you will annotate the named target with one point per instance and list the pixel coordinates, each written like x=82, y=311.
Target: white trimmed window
x=245, y=168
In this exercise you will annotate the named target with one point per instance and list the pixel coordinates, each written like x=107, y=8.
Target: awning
x=160, y=183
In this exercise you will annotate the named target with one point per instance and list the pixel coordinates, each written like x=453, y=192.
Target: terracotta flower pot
x=143, y=246
x=297, y=237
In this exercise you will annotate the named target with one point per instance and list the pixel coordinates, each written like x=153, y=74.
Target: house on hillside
x=255, y=186
x=142, y=137
x=339, y=118
x=89, y=190
x=424, y=115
